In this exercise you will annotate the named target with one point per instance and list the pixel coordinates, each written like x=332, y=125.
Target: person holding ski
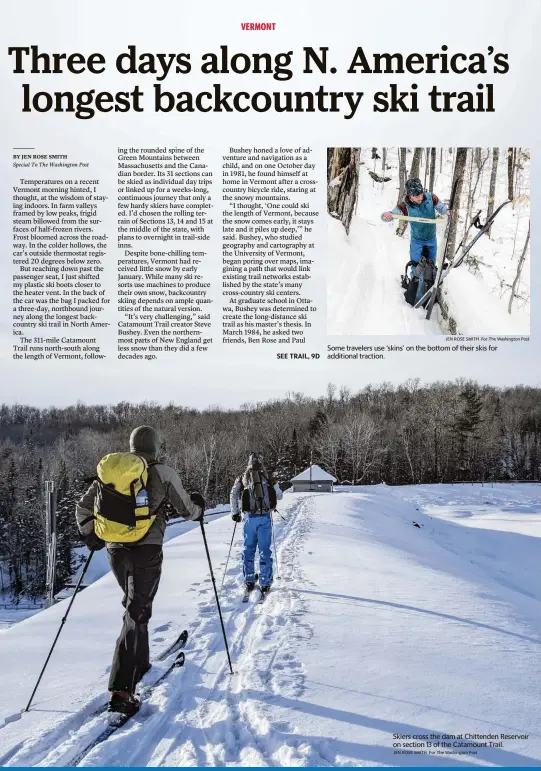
x=423, y=242
x=419, y=203
x=124, y=509
x=254, y=495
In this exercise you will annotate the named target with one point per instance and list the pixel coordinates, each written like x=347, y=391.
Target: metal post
x=50, y=509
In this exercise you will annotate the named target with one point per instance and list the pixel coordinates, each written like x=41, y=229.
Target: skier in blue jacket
x=419, y=203
x=255, y=494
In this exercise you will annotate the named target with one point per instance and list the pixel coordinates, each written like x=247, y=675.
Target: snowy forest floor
x=375, y=627
x=364, y=294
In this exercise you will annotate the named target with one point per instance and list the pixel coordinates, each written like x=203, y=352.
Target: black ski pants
x=137, y=570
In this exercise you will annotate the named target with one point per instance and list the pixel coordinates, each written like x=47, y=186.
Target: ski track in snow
x=462, y=583
x=194, y=718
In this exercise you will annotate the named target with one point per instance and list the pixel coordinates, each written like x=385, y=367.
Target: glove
x=387, y=216
x=236, y=517
x=92, y=541
x=198, y=499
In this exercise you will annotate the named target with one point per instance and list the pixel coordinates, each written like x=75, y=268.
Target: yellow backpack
x=121, y=513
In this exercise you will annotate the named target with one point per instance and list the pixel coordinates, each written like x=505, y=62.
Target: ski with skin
x=457, y=262
x=117, y=720
x=432, y=298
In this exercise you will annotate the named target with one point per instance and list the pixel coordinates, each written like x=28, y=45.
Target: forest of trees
x=407, y=434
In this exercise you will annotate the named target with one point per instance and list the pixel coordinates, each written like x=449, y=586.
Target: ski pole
x=274, y=545
x=216, y=594
x=229, y=554
x=74, y=595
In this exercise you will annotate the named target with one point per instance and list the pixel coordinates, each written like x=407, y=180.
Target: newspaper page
x=270, y=433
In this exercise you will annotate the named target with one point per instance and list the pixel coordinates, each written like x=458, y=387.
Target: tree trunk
x=414, y=172
x=460, y=165
x=416, y=162
x=519, y=270
x=348, y=190
x=340, y=158
x=402, y=173
x=433, y=168
x=427, y=153
x=337, y=166
x=510, y=173
x=383, y=165
x=492, y=188
x=480, y=162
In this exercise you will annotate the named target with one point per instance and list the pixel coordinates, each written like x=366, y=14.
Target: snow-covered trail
x=364, y=294
x=375, y=627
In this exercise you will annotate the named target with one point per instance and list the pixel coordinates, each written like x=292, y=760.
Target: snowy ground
x=376, y=627
x=364, y=292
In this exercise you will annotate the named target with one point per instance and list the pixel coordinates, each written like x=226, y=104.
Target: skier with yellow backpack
x=125, y=510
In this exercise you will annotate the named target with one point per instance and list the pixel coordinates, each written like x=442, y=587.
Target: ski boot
x=123, y=702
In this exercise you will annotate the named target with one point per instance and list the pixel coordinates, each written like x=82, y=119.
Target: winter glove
x=387, y=216
x=236, y=517
x=198, y=499
x=92, y=541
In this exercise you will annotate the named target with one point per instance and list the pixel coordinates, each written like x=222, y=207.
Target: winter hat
x=414, y=186
x=145, y=440
x=255, y=460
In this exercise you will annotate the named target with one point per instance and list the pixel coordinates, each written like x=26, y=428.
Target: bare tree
x=520, y=266
x=402, y=173
x=510, y=172
x=480, y=161
x=362, y=446
x=458, y=177
x=416, y=162
x=209, y=456
x=492, y=187
x=328, y=445
x=343, y=184
x=432, y=168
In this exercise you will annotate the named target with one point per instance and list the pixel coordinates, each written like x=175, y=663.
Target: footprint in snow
x=163, y=627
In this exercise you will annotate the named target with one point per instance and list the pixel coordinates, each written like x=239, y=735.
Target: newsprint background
x=228, y=374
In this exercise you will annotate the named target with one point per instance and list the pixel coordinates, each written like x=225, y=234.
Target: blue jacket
x=427, y=209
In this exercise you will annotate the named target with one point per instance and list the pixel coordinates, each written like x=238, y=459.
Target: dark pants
x=137, y=569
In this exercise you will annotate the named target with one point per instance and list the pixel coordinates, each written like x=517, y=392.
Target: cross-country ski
x=428, y=241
